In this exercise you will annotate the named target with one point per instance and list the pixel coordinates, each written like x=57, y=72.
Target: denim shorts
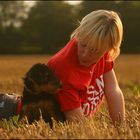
x=8, y=105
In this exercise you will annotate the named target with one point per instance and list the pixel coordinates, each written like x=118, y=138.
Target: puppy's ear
x=28, y=82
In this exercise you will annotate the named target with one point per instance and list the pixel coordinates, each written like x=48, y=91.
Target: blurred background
x=44, y=27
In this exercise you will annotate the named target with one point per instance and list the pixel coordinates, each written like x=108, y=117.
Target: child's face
x=86, y=56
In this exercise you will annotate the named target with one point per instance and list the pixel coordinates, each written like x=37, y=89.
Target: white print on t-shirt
x=94, y=96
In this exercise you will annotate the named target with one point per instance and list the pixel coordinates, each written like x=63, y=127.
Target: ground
x=127, y=68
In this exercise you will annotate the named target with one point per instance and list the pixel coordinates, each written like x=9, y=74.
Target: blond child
x=85, y=67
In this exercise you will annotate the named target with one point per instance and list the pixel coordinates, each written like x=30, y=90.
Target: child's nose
x=86, y=53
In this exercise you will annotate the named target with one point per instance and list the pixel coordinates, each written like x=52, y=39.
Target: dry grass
x=127, y=69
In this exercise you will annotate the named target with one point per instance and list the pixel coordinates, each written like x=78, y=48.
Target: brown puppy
x=40, y=86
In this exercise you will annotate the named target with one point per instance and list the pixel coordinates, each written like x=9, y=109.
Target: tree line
x=47, y=26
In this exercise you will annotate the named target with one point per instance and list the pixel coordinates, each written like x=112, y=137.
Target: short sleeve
x=68, y=99
x=108, y=64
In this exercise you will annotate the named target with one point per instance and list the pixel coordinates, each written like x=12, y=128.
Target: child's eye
x=83, y=45
x=92, y=50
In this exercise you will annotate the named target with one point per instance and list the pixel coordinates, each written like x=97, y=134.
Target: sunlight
x=30, y=3
x=74, y=2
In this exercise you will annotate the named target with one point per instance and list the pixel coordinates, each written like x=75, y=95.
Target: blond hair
x=101, y=30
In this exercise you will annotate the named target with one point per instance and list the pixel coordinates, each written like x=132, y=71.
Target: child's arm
x=115, y=98
x=74, y=115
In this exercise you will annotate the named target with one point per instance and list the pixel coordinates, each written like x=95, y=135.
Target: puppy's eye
x=46, y=76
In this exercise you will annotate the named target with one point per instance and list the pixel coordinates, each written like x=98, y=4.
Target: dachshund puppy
x=40, y=86
x=38, y=99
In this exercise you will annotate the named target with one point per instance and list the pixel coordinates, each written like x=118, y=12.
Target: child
x=85, y=67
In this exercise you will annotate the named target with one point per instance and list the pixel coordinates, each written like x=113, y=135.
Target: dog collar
x=19, y=105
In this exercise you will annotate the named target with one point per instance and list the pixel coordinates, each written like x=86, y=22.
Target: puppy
x=38, y=99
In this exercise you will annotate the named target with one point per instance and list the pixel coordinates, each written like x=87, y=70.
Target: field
x=127, y=68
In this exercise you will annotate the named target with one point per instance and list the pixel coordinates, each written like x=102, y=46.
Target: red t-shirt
x=81, y=86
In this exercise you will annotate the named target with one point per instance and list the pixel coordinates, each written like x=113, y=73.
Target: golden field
x=127, y=68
